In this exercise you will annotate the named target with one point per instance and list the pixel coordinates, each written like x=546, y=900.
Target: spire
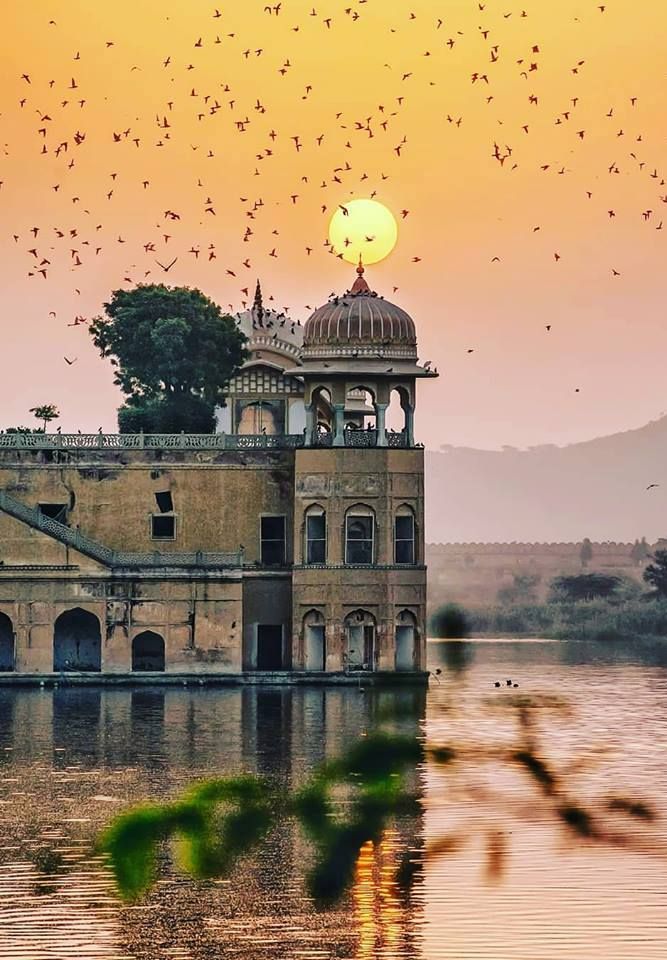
x=360, y=285
x=257, y=307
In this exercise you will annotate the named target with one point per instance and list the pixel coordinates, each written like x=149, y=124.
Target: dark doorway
x=6, y=644
x=148, y=651
x=269, y=646
x=77, y=642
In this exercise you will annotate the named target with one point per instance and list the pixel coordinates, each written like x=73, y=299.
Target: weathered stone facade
x=233, y=555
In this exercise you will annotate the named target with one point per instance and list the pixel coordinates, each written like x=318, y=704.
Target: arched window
x=148, y=652
x=316, y=535
x=314, y=643
x=77, y=641
x=360, y=534
x=6, y=643
x=404, y=535
x=406, y=636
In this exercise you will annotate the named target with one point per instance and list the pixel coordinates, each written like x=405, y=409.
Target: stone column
x=338, y=425
x=410, y=425
x=380, y=410
x=310, y=423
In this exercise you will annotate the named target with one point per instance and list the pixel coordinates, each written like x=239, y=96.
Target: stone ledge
x=246, y=678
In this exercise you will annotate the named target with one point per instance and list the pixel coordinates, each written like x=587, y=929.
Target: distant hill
x=594, y=489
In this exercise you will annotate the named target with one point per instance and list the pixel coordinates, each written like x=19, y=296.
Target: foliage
x=640, y=551
x=188, y=414
x=46, y=413
x=169, y=344
x=23, y=430
x=656, y=573
x=218, y=822
x=584, y=586
x=522, y=590
x=450, y=622
x=586, y=552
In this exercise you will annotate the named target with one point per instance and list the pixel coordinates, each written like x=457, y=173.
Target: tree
x=656, y=574
x=640, y=551
x=584, y=586
x=586, y=552
x=522, y=590
x=173, y=352
x=46, y=413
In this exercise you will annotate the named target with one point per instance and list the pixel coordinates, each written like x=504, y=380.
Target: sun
x=363, y=228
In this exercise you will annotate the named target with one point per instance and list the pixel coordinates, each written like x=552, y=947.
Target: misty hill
x=594, y=489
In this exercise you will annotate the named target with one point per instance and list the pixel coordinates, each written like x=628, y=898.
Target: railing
x=142, y=441
x=360, y=438
x=322, y=439
x=397, y=440
x=105, y=555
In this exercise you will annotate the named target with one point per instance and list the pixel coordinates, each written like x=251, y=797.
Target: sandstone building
x=289, y=544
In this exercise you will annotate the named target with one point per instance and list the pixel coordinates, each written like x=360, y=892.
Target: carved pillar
x=338, y=425
x=380, y=410
x=310, y=422
x=410, y=425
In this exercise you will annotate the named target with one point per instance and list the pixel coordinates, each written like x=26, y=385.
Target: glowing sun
x=363, y=228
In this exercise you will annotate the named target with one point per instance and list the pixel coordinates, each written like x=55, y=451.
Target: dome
x=360, y=322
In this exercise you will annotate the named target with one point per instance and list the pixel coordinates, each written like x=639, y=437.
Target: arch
x=260, y=416
x=359, y=533
x=405, y=539
x=77, y=642
x=6, y=644
x=314, y=640
x=315, y=534
x=148, y=652
x=360, y=633
x=405, y=641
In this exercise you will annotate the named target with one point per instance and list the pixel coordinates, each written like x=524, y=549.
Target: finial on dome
x=258, y=307
x=360, y=285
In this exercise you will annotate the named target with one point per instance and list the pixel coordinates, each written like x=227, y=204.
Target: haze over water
x=71, y=758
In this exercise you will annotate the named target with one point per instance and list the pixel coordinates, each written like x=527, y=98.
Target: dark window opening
x=148, y=652
x=272, y=536
x=163, y=527
x=54, y=511
x=269, y=646
x=316, y=538
x=359, y=539
x=404, y=539
x=164, y=501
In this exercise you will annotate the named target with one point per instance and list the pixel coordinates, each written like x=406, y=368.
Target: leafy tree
x=450, y=623
x=585, y=586
x=522, y=590
x=586, y=552
x=23, y=430
x=170, y=346
x=187, y=414
x=46, y=413
x=656, y=574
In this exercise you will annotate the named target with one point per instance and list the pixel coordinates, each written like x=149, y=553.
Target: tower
x=359, y=580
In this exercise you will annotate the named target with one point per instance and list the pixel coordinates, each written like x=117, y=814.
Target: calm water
x=70, y=759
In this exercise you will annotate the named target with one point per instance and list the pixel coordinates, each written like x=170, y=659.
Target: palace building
x=289, y=545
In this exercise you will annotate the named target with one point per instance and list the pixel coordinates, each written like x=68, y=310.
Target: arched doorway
x=314, y=651
x=406, y=636
x=77, y=642
x=148, y=652
x=6, y=644
x=360, y=632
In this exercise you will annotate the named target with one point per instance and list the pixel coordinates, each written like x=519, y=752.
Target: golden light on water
x=363, y=228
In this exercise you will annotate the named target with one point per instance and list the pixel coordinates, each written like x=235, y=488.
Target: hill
x=594, y=489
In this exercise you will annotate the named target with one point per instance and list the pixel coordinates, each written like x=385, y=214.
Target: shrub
x=450, y=623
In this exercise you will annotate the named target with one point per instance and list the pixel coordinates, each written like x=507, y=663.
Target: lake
x=71, y=758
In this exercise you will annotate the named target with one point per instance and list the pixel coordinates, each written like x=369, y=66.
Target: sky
x=520, y=146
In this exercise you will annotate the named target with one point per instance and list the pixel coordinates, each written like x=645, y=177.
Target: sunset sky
x=237, y=135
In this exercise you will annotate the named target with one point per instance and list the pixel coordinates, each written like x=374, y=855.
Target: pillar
x=310, y=423
x=410, y=425
x=339, y=424
x=380, y=410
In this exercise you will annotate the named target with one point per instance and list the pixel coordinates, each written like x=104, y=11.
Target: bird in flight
x=652, y=485
x=169, y=265
x=70, y=362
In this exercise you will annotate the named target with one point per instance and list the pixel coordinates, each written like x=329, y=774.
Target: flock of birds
x=359, y=147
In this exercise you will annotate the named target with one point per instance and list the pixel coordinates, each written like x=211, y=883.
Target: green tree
x=46, y=413
x=656, y=574
x=586, y=552
x=173, y=353
x=522, y=590
x=584, y=586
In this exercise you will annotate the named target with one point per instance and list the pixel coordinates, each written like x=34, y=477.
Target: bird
x=69, y=362
x=169, y=266
x=652, y=485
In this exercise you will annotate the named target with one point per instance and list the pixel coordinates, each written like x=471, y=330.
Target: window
x=54, y=511
x=163, y=527
x=272, y=537
x=404, y=536
x=316, y=535
x=359, y=535
x=164, y=501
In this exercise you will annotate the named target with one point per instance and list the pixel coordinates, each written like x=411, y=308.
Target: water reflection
x=70, y=758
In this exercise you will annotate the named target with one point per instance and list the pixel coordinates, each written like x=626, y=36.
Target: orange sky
x=366, y=77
